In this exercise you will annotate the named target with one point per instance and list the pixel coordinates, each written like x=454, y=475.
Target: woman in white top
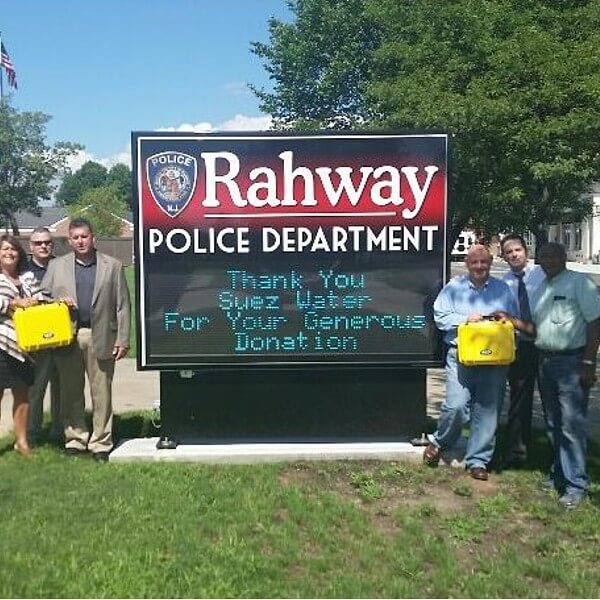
x=18, y=289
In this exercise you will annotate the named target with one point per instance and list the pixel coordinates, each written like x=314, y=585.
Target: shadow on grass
x=125, y=426
x=540, y=458
x=540, y=455
x=133, y=425
x=6, y=445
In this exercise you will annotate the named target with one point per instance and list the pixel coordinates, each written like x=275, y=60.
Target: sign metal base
x=267, y=405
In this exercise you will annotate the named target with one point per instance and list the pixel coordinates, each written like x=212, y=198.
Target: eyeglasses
x=42, y=242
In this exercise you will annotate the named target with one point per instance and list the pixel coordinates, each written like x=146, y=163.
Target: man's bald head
x=478, y=262
x=478, y=250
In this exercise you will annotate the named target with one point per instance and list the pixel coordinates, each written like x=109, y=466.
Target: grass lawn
x=74, y=528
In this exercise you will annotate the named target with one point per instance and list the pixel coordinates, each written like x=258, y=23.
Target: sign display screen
x=272, y=248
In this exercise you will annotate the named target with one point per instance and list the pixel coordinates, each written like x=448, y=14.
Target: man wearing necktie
x=523, y=279
x=473, y=393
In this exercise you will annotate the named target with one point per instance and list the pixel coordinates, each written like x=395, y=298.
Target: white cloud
x=202, y=127
x=123, y=157
x=77, y=160
x=244, y=123
x=237, y=123
x=237, y=88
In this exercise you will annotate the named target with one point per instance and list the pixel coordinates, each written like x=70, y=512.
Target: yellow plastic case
x=43, y=326
x=486, y=343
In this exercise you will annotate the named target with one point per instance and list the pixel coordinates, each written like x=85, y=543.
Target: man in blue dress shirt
x=566, y=312
x=473, y=393
x=523, y=279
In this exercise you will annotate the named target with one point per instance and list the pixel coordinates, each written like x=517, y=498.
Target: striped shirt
x=8, y=292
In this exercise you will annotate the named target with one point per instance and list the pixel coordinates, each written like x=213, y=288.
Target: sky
x=102, y=69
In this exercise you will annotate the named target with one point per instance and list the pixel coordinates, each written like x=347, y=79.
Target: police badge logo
x=172, y=180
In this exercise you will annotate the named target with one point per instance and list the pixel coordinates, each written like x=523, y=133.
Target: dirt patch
x=382, y=517
x=456, y=491
x=442, y=500
x=296, y=476
x=281, y=515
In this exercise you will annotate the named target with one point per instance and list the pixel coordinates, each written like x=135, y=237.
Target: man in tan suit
x=94, y=286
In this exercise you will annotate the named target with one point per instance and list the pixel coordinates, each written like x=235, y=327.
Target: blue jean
x=565, y=404
x=476, y=393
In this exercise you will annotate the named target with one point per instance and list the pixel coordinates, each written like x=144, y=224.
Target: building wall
x=581, y=239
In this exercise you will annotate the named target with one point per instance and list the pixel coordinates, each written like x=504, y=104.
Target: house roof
x=50, y=217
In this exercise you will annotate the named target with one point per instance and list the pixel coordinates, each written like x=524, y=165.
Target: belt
x=568, y=352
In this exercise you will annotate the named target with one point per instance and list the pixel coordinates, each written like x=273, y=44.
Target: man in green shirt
x=566, y=312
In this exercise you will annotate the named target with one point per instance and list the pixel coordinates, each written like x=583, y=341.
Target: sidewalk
x=132, y=390
x=137, y=390
x=584, y=268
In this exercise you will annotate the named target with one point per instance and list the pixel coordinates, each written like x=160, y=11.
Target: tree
x=120, y=178
x=516, y=83
x=91, y=175
x=27, y=164
x=103, y=207
x=319, y=65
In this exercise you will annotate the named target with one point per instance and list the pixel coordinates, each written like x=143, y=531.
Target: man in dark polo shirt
x=94, y=286
x=41, y=246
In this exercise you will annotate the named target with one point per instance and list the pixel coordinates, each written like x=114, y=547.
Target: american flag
x=5, y=62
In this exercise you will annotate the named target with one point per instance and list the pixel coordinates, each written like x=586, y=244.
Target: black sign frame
x=146, y=289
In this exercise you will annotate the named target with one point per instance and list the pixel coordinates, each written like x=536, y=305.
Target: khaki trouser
x=73, y=363
x=45, y=372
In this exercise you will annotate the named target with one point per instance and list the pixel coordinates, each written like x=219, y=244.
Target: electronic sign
x=282, y=249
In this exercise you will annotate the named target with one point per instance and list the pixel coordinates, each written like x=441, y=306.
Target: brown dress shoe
x=479, y=473
x=431, y=456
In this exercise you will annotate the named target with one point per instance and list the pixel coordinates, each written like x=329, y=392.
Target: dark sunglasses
x=42, y=242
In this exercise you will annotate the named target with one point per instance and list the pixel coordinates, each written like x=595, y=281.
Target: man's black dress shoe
x=513, y=464
x=74, y=452
x=101, y=456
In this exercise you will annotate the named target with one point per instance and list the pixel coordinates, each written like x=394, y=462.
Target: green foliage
x=103, y=207
x=318, y=64
x=515, y=83
x=463, y=489
x=369, y=488
x=119, y=177
x=465, y=528
x=427, y=510
x=27, y=164
x=90, y=176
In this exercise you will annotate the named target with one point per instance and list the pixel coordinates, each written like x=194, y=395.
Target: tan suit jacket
x=111, y=305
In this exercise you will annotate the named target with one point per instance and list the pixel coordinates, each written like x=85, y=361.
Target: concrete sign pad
x=144, y=449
